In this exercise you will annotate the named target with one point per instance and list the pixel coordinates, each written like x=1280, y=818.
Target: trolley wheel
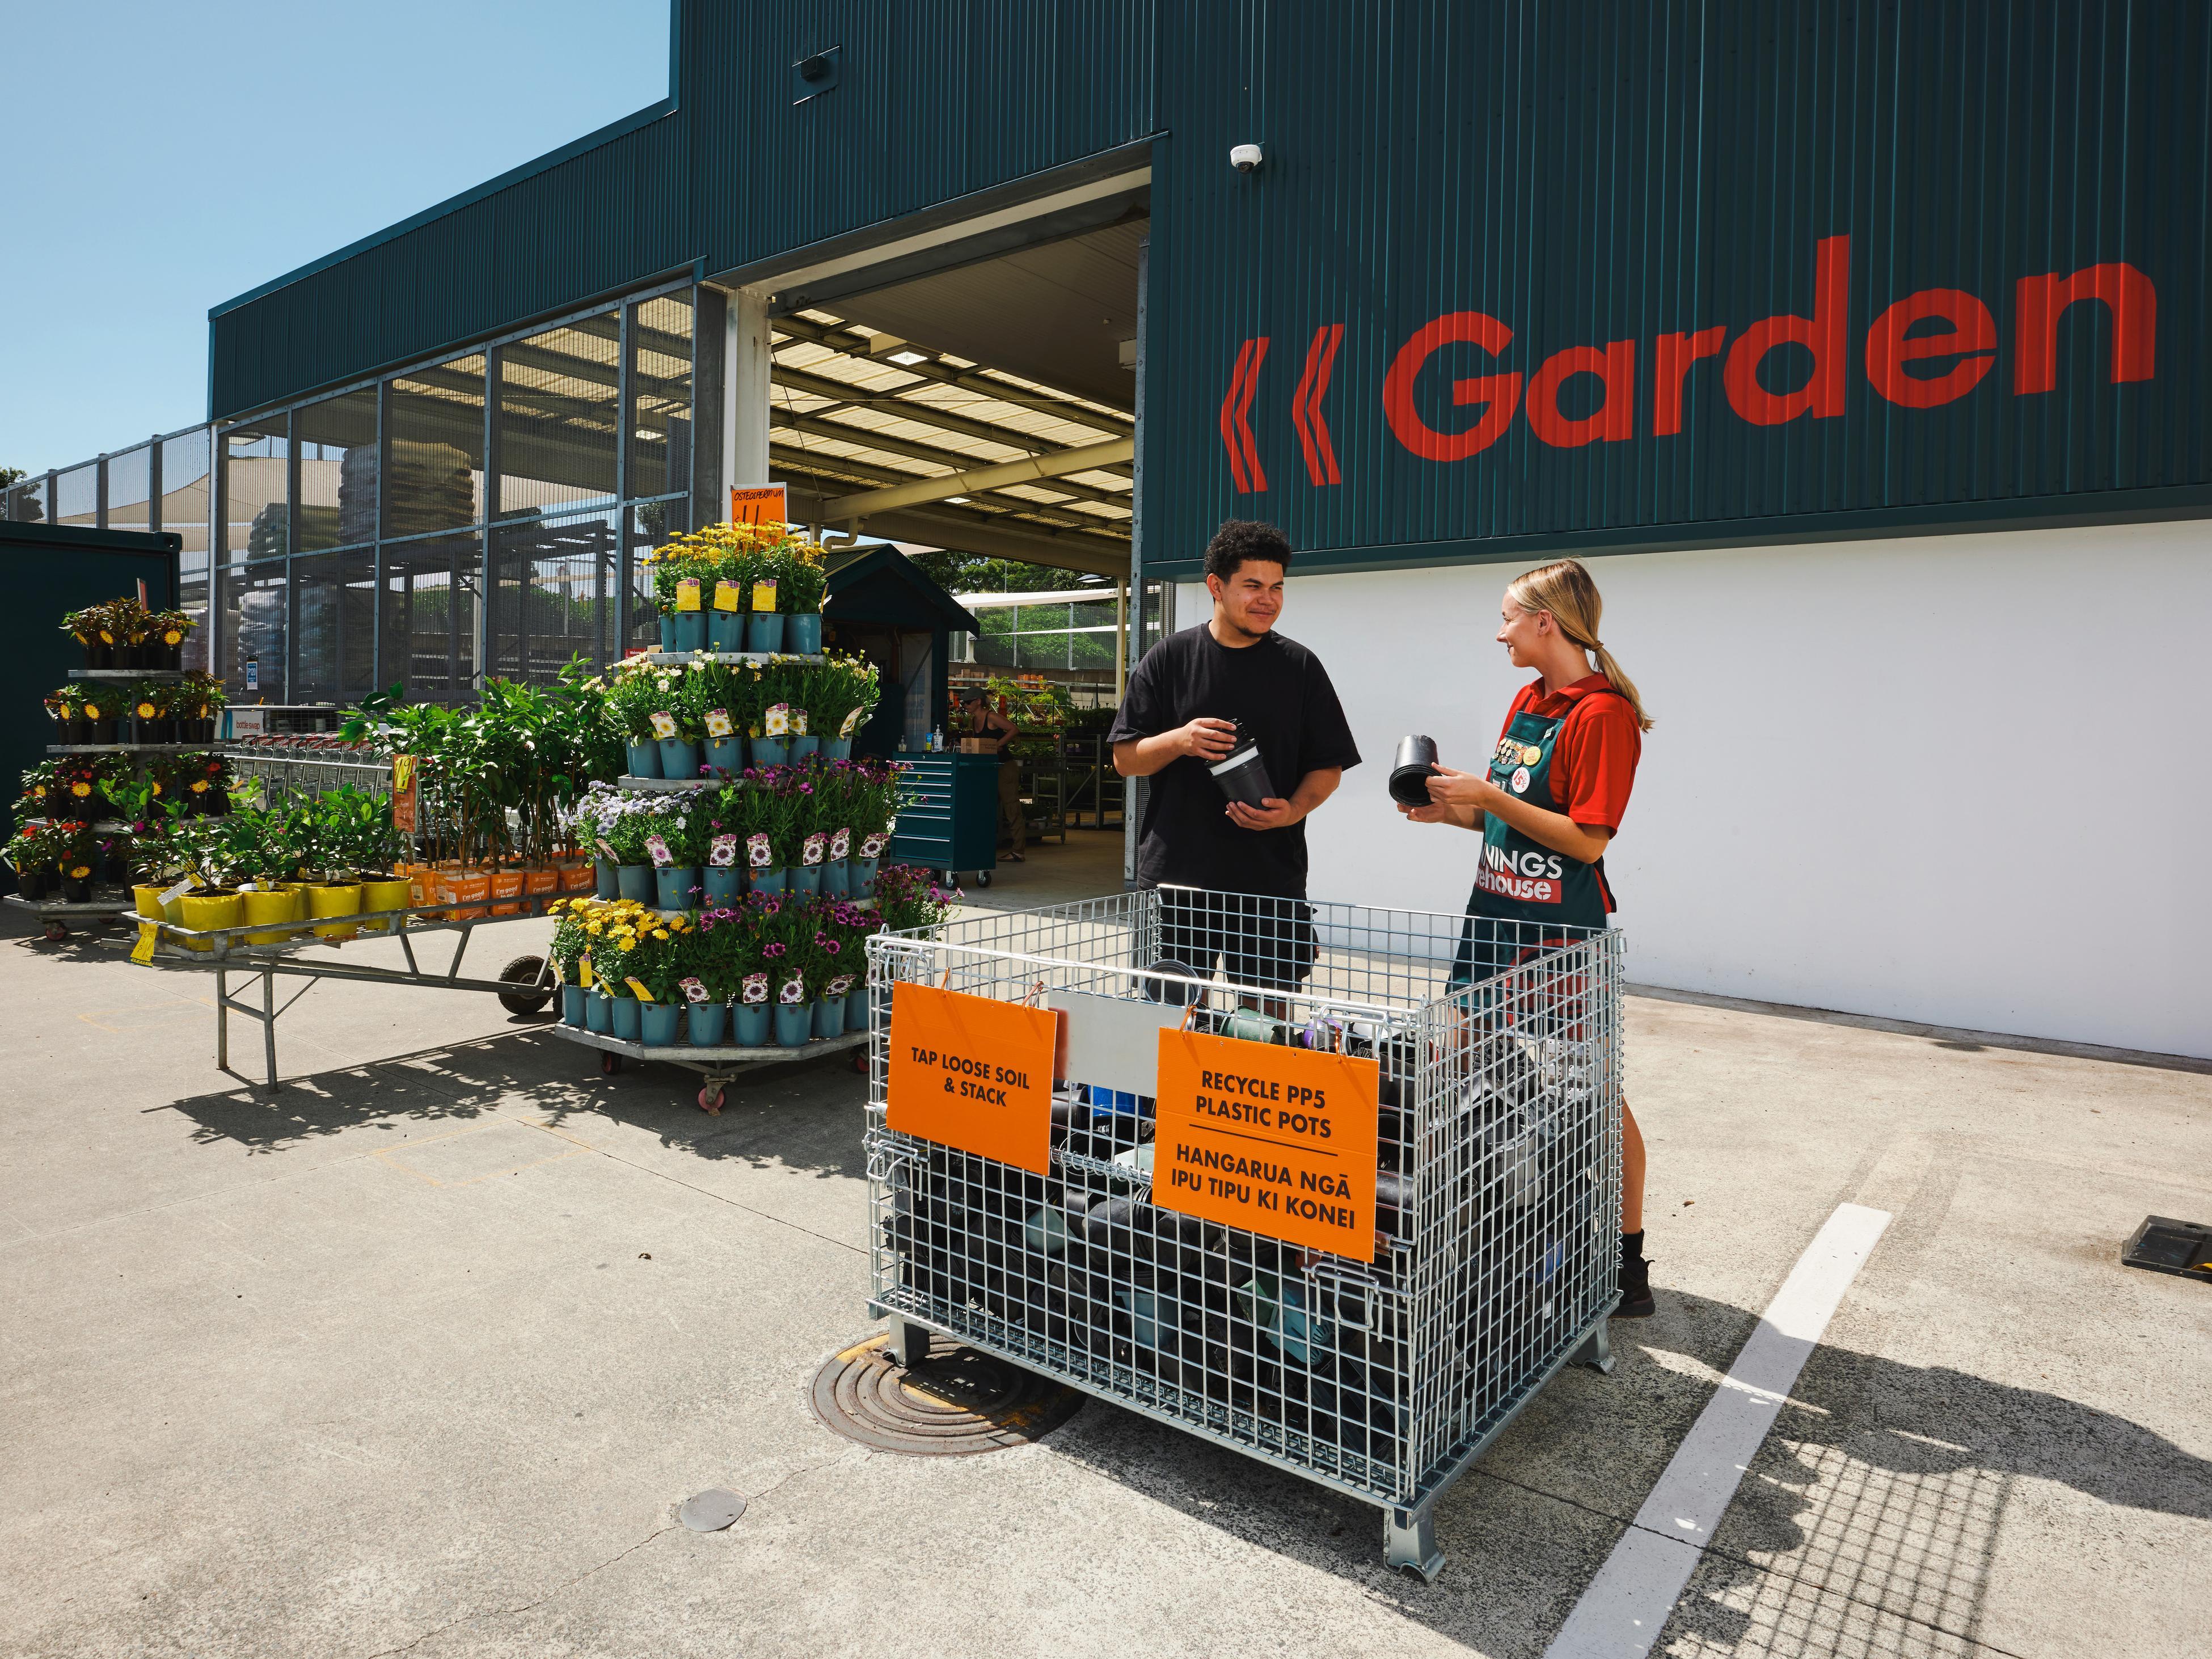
x=524, y=971
x=57, y=930
x=861, y=1060
x=983, y=877
x=710, y=1099
x=610, y=1063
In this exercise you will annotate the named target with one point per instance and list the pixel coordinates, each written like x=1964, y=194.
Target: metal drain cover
x=956, y=1401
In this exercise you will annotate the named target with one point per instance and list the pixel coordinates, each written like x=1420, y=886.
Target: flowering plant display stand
x=715, y=1065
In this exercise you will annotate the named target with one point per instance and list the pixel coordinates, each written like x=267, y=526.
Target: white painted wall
x=1963, y=780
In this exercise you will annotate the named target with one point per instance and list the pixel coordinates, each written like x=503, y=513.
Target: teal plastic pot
x=806, y=878
x=764, y=631
x=599, y=1012
x=723, y=884
x=794, y=1024
x=606, y=879
x=748, y=1024
x=802, y=635
x=691, y=630
x=634, y=882
x=829, y=1016
x=803, y=747
x=679, y=758
x=672, y=884
x=777, y=880
x=572, y=1006
x=727, y=754
x=770, y=751
x=656, y=1024
x=856, y=1008
x=668, y=632
x=644, y=758
x=726, y=631
x=703, y=1022
x=625, y=1018
x=860, y=877
x=836, y=749
x=836, y=878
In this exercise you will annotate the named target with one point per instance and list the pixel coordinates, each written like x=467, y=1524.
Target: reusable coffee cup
x=1242, y=774
x=1416, y=765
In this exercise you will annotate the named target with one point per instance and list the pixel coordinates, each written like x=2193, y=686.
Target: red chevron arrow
x=1305, y=405
x=1236, y=408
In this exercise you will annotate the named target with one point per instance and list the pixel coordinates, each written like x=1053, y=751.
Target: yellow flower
x=660, y=933
x=592, y=927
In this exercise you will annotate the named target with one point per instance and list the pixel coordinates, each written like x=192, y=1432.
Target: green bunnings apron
x=1526, y=896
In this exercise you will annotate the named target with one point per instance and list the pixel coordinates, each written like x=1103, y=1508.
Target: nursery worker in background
x=1549, y=802
x=1184, y=703
x=985, y=721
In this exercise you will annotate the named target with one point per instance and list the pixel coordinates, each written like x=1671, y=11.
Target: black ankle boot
x=1636, y=1301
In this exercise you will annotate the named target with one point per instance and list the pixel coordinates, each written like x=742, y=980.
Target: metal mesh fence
x=304, y=766
x=1497, y=1190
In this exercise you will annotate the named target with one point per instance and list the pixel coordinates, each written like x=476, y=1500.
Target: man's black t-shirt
x=1282, y=693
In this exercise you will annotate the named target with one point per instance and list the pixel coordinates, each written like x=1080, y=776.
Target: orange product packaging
x=541, y=878
x=465, y=888
x=507, y=882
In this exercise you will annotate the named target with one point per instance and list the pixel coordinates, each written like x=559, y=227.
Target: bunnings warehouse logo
x=1928, y=349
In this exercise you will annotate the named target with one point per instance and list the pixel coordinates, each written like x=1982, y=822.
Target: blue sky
x=161, y=158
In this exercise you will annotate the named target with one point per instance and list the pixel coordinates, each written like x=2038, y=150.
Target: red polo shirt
x=1594, y=763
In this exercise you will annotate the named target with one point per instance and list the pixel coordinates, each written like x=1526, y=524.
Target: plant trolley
x=1381, y=1368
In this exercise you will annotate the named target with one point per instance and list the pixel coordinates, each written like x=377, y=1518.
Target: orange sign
x=974, y=1074
x=763, y=505
x=1277, y=1141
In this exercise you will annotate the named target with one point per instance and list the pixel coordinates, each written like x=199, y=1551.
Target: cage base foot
x=1596, y=1351
x=1409, y=1542
x=909, y=1342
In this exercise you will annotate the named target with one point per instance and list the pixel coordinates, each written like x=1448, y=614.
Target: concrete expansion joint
x=527, y=1607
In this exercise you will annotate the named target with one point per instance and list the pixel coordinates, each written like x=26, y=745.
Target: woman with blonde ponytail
x=1547, y=806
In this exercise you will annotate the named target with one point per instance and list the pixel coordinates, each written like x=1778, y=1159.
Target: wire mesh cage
x=1497, y=1181
x=304, y=766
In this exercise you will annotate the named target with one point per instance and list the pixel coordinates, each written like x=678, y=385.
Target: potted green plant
x=723, y=820
x=164, y=642
x=801, y=581
x=566, y=952
x=655, y=965
x=673, y=844
x=841, y=695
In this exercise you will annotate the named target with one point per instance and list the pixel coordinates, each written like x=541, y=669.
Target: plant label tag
x=754, y=989
x=613, y=857
x=693, y=990
x=658, y=849
x=583, y=971
x=248, y=887
x=815, y=845
x=664, y=723
x=559, y=978
x=718, y=722
x=638, y=990
x=687, y=593
x=852, y=724
x=758, y=852
x=799, y=722
x=171, y=895
x=838, y=986
x=764, y=595
x=142, y=952
x=793, y=992
x=726, y=595
x=778, y=719
x=722, y=853
x=873, y=848
x=840, y=843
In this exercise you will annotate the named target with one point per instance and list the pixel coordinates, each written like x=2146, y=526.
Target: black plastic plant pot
x=34, y=885
x=96, y=654
x=77, y=890
x=76, y=729
x=1243, y=775
x=1410, y=774
x=100, y=732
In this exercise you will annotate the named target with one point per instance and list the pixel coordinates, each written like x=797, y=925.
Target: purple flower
x=772, y=950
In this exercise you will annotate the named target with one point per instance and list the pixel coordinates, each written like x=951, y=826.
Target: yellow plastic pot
x=334, y=898
x=217, y=907
x=280, y=904
x=148, y=898
x=394, y=895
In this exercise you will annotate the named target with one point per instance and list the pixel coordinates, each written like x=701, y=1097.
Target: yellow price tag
x=142, y=952
x=583, y=971
x=687, y=593
x=643, y=995
x=764, y=594
x=726, y=596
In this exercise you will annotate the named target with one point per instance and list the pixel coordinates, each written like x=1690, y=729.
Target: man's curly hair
x=1239, y=539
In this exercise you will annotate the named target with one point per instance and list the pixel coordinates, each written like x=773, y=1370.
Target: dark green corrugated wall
x=1597, y=173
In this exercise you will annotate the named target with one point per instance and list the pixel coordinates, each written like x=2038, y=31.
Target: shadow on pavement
x=1874, y=1507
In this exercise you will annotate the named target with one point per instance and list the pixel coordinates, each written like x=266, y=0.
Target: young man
x=985, y=721
x=1185, y=704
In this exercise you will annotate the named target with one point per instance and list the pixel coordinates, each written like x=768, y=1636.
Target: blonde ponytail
x=1566, y=593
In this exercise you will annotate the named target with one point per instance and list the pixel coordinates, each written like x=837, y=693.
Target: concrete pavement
x=422, y=1355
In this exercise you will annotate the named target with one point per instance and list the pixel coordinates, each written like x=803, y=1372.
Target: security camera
x=1244, y=157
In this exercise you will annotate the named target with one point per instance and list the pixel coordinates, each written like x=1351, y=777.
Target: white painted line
x=1622, y=1612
